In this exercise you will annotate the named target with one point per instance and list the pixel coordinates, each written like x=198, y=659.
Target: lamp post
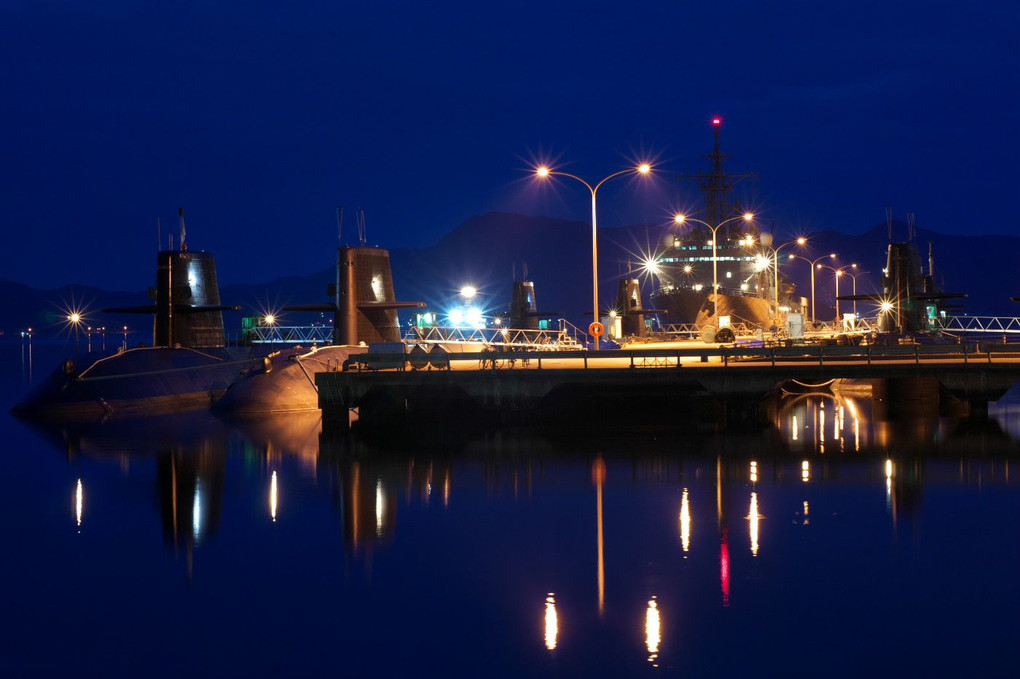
x=775, y=264
x=682, y=219
x=270, y=320
x=75, y=319
x=837, y=272
x=544, y=172
x=813, y=263
x=853, y=277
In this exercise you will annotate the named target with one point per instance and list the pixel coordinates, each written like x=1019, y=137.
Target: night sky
x=260, y=118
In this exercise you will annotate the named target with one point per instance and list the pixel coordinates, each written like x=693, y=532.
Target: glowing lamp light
x=886, y=307
x=651, y=266
x=644, y=168
x=679, y=218
x=717, y=121
x=468, y=291
x=473, y=317
x=542, y=171
x=74, y=317
x=270, y=319
x=801, y=241
x=748, y=216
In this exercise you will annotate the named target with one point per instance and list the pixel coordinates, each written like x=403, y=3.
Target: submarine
x=364, y=309
x=188, y=366
x=911, y=299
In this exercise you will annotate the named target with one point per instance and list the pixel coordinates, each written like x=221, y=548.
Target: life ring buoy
x=596, y=329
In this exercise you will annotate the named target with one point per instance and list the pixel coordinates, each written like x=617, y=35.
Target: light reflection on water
x=365, y=553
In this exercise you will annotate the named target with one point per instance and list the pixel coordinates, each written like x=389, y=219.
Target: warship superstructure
x=685, y=269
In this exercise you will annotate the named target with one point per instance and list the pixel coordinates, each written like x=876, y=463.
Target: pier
x=640, y=385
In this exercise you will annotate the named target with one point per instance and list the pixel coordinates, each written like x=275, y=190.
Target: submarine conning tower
x=523, y=308
x=366, y=307
x=186, y=287
x=903, y=282
x=628, y=301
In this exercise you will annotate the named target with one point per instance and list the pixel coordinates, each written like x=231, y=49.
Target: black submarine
x=911, y=299
x=364, y=309
x=188, y=366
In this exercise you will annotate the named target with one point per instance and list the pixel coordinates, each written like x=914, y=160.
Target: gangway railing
x=290, y=334
x=508, y=337
x=989, y=324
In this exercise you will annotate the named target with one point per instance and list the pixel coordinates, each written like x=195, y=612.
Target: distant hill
x=487, y=250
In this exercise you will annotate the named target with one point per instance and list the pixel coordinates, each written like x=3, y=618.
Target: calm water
x=838, y=543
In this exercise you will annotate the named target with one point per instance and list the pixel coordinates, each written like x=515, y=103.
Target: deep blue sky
x=260, y=118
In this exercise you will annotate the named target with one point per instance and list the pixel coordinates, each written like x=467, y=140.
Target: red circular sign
x=596, y=329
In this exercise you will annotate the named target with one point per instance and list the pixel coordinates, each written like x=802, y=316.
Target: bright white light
x=552, y=626
x=753, y=516
x=685, y=522
x=196, y=512
x=653, y=630
x=273, y=497
x=468, y=291
x=79, y=499
x=380, y=507
x=644, y=168
x=542, y=171
x=473, y=317
x=651, y=266
x=456, y=317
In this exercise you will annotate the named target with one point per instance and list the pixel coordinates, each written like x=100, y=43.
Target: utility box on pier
x=795, y=325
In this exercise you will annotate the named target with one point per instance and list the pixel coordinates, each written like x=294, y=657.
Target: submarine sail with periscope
x=189, y=365
x=364, y=312
x=911, y=302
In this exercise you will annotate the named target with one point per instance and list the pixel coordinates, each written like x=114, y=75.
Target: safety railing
x=290, y=334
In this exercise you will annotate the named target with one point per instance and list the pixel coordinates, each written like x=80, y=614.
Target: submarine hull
x=138, y=381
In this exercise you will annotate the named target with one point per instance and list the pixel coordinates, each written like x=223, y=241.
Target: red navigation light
x=716, y=121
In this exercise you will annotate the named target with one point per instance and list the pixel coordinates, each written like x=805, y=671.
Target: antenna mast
x=716, y=185
x=361, y=225
x=184, y=244
x=339, y=223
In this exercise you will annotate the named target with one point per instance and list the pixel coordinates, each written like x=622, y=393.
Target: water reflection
x=523, y=511
x=552, y=626
x=653, y=630
x=79, y=500
x=685, y=523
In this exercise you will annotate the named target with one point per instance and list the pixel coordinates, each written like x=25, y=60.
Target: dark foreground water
x=837, y=543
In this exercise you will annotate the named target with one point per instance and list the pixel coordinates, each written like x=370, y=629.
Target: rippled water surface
x=837, y=542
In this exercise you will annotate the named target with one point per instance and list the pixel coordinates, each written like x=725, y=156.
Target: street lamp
x=837, y=272
x=775, y=262
x=543, y=172
x=853, y=277
x=831, y=255
x=681, y=219
x=74, y=318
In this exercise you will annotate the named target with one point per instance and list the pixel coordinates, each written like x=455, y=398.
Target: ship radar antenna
x=361, y=225
x=184, y=243
x=339, y=223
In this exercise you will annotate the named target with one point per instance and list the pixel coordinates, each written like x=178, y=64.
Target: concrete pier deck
x=650, y=382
